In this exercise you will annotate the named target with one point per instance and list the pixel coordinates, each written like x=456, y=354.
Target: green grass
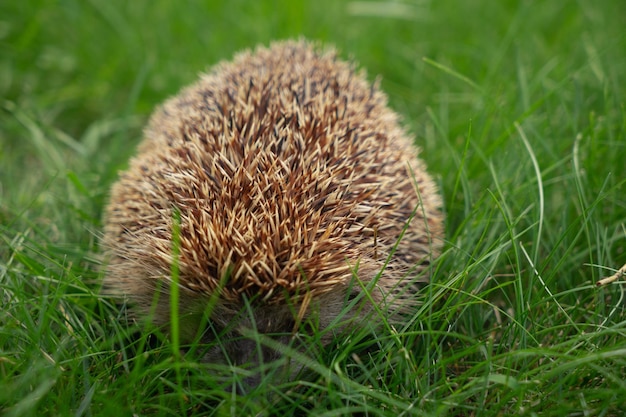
x=519, y=109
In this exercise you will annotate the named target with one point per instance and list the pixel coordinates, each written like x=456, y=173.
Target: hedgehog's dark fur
x=290, y=176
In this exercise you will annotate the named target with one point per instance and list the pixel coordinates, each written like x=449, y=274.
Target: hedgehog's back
x=284, y=170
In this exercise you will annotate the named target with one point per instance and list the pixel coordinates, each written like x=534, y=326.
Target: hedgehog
x=278, y=189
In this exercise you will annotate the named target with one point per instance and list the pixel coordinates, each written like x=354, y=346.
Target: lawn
x=519, y=109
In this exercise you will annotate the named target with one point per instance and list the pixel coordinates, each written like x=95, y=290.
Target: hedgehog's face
x=260, y=339
x=239, y=338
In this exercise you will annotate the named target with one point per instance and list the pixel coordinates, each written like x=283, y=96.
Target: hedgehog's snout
x=244, y=347
x=258, y=338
